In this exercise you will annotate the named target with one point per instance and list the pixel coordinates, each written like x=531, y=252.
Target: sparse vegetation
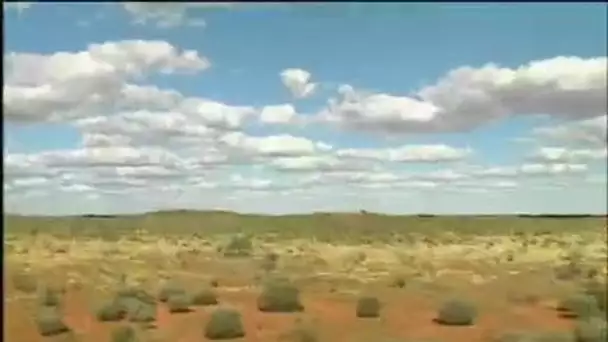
x=204, y=296
x=111, y=311
x=368, y=307
x=399, y=282
x=457, y=312
x=133, y=294
x=224, y=324
x=49, y=297
x=269, y=263
x=178, y=303
x=324, y=266
x=579, y=306
x=238, y=246
x=25, y=282
x=50, y=322
x=141, y=312
x=279, y=295
x=598, y=290
x=170, y=289
x=138, y=305
x=568, y=271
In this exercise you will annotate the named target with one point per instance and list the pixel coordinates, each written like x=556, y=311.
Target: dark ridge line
x=361, y=212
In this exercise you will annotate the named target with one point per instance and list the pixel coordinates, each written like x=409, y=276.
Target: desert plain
x=358, y=277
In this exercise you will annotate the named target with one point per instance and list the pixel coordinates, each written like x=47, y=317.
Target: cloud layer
x=144, y=145
x=468, y=97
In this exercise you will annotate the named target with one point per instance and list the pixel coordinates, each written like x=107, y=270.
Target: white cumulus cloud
x=409, y=153
x=468, y=97
x=298, y=82
x=65, y=85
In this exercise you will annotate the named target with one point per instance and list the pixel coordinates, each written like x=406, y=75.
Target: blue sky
x=446, y=108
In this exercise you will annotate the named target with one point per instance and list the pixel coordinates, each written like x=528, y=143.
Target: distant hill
x=321, y=226
x=186, y=212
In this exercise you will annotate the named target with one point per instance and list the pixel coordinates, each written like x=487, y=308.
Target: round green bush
x=178, y=303
x=169, y=290
x=50, y=322
x=368, y=307
x=599, y=291
x=269, y=263
x=224, y=324
x=141, y=312
x=135, y=294
x=49, y=297
x=204, y=297
x=591, y=330
x=111, y=312
x=579, y=306
x=279, y=295
x=457, y=312
x=138, y=305
x=398, y=282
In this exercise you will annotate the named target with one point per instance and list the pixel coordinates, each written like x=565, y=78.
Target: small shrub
x=113, y=311
x=278, y=295
x=50, y=322
x=269, y=263
x=135, y=294
x=25, y=282
x=591, y=330
x=398, y=282
x=579, y=306
x=568, y=271
x=49, y=297
x=169, y=290
x=368, y=307
x=592, y=273
x=457, y=312
x=224, y=324
x=141, y=312
x=124, y=333
x=238, y=246
x=139, y=305
x=598, y=291
x=178, y=303
x=359, y=258
x=204, y=297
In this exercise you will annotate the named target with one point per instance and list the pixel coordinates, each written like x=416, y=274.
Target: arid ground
x=513, y=270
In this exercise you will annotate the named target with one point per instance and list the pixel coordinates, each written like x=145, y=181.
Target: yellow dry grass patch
x=145, y=260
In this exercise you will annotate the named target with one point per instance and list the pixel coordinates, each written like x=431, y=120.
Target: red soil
x=408, y=316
